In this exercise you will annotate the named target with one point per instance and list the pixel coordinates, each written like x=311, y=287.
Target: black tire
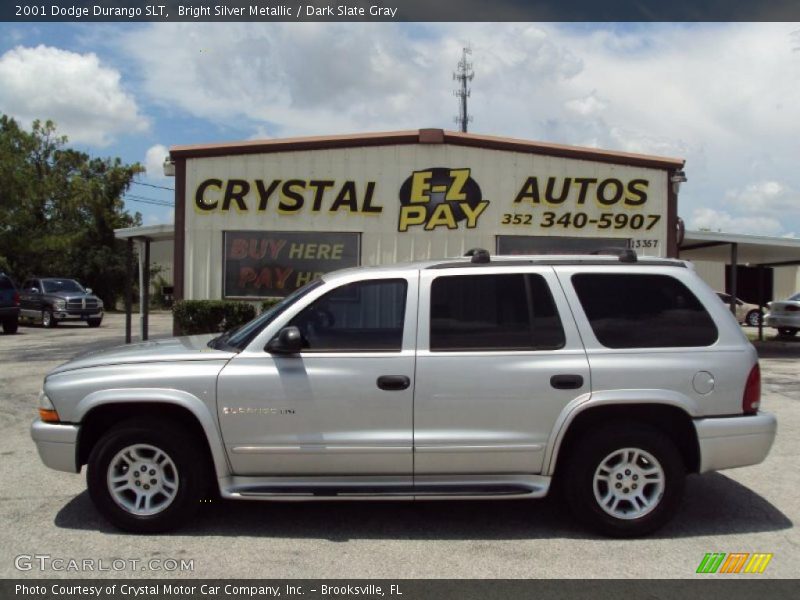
x=753, y=318
x=180, y=447
x=48, y=320
x=94, y=322
x=589, y=453
x=10, y=325
x=787, y=331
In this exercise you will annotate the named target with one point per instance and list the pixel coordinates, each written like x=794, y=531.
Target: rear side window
x=643, y=311
x=493, y=312
x=5, y=283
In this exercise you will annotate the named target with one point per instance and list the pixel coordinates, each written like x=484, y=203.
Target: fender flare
x=610, y=398
x=199, y=409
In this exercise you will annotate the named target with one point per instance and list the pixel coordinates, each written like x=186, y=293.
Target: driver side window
x=366, y=316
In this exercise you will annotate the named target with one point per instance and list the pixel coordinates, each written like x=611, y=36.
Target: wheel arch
x=99, y=411
x=670, y=419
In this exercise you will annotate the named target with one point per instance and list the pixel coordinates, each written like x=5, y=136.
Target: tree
x=59, y=208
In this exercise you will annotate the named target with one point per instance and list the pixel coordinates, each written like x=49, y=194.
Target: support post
x=734, y=268
x=128, y=289
x=146, y=288
x=761, y=303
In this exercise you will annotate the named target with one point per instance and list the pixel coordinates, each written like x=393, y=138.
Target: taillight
x=751, y=399
x=16, y=298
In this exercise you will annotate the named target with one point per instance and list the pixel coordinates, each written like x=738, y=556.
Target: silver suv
x=478, y=377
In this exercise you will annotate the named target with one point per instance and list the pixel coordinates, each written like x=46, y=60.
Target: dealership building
x=259, y=219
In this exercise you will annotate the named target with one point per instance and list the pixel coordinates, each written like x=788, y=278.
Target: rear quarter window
x=643, y=311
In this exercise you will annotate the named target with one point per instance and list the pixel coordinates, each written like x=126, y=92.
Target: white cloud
x=770, y=197
x=713, y=220
x=85, y=98
x=154, y=161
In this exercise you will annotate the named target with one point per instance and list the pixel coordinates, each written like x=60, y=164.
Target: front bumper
x=728, y=442
x=782, y=320
x=57, y=444
x=69, y=315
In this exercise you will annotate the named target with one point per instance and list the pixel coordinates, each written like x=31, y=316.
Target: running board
x=385, y=488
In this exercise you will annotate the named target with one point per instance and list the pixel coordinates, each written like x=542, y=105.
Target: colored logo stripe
x=714, y=562
x=758, y=562
x=711, y=562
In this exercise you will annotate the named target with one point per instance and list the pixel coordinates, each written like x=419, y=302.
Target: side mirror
x=34, y=290
x=88, y=290
x=288, y=341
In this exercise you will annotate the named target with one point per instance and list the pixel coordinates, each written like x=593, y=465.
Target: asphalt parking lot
x=44, y=512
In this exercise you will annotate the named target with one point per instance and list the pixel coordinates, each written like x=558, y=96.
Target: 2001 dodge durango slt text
x=478, y=377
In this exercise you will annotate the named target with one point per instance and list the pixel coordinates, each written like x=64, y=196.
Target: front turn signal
x=48, y=415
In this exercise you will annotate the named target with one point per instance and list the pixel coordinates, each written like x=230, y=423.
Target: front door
x=344, y=405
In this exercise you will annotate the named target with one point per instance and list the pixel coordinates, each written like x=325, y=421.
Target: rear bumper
x=57, y=444
x=782, y=320
x=9, y=311
x=729, y=442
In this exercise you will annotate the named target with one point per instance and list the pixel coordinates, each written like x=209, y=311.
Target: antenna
x=463, y=75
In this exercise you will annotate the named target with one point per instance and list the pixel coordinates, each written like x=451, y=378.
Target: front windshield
x=53, y=286
x=239, y=338
x=795, y=298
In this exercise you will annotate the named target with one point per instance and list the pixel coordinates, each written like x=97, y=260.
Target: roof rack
x=624, y=254
x=479, y=255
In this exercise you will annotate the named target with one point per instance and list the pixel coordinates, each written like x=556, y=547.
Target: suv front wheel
x=625, y=481
x=144, y=477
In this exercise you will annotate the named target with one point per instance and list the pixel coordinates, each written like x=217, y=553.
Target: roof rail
x=626, y=255
x=479, y=255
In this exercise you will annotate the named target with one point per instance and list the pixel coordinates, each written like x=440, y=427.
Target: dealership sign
x=262, y=264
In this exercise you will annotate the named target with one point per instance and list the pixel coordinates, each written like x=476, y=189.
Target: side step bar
x=388, y=488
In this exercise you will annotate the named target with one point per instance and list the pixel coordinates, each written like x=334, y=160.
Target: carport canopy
x=142, y=236
x=738, y=249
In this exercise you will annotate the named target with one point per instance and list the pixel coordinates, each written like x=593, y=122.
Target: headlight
x=60, y=304
x=47, y=412
x=99, y=303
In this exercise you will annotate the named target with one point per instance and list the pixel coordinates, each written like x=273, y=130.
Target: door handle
x=566, y=382
x=393, y=383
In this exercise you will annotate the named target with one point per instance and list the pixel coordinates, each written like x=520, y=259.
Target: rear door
x=499, y=357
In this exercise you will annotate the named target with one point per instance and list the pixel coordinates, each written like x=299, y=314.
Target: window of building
x=493, y=312
x=643, y=311
x=366, y=316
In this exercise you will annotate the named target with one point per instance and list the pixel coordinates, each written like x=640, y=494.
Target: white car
x=784, y=315
x=746, y=314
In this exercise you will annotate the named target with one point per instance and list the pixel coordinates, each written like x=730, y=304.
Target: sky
x=725, y=97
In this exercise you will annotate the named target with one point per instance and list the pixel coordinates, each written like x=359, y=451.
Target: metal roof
x=751, y=249
x=423, y=136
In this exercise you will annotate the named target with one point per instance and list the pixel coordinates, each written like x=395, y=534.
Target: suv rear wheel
x=144, y=477
x=625, y=481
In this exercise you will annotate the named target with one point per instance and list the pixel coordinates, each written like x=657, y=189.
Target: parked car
x=9, y=304
x=464, y=378
x=747, y=314
x=784, y=315
x=53, y=299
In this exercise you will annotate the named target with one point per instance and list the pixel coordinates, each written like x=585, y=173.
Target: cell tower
x=463, y=75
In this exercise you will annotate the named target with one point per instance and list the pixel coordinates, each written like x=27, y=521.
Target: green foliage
x=269, y=303
x=210, y=316
x=59, y=208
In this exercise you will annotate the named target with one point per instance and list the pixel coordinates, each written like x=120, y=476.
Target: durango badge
x=440, y=197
